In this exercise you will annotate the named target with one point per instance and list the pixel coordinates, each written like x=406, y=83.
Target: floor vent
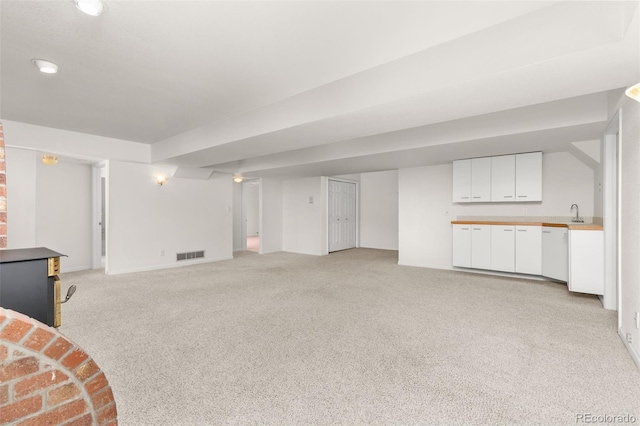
x=190, y=255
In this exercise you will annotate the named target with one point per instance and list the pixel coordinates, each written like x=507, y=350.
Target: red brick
x=3, y=313
x=107, y=413
x=18, y=368
x=3, y=242
x=96, y=384
x=57, y=415
x=87, y=370
x=74, y=359
x=3, y=217
x=4, y=352
x=3, y=193
x=102, y=398
x=15, y=331
x=58, y=348
x=39, y=382
x=86, y=420
x=61, y=394
x=112, y=423
x=3, y=178
x=38, y=339
x=4, y=394
x=17, y=410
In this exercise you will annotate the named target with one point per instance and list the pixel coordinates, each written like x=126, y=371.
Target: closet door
x=342, y=215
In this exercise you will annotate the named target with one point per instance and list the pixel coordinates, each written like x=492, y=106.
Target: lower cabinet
x=586, y=261
x=529, y=250
x=503, y=248
x=555, y=253
x=481, y=246
x=462, y=246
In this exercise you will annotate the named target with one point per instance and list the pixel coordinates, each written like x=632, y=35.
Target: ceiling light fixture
x=46, y=67
x=633, y=92
x=49, y=160
x=90, y=7
x=238, y=178
x=160, y=179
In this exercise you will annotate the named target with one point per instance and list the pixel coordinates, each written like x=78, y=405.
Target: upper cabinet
x=504, y=178
x=462, y=181
x=529, y=177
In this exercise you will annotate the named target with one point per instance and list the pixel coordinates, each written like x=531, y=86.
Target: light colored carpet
x=349, y=338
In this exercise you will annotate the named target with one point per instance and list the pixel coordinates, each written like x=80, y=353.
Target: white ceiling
x=302, y=88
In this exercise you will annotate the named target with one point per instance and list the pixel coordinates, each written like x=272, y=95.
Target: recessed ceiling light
x=45, y=66
x=90, y=7
x=238, y=178
x=634, y=92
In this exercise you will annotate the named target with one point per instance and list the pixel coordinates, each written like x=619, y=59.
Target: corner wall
x=379, y=210
x=304, y=223
x=271, y=215
x=148, y=224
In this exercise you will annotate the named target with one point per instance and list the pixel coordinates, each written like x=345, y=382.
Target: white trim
x=271, y=252
x=170, y=265
x=632, y=351
x=76, y=269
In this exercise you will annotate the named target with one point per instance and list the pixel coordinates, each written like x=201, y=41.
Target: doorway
x=251, y=195
x=342, y=217
x=100, y=200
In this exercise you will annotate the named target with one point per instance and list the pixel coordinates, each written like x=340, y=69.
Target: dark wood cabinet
x=29, y=283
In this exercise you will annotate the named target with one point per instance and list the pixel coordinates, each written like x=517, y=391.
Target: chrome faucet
x=577, y=218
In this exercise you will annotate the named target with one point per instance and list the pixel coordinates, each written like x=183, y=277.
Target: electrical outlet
x=629, y=338
x=637, y=318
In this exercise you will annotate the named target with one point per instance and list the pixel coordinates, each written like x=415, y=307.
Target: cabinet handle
x=464, y=198
x=522, y=196
x=477, y=229
x=546, y=232
x=508, y=196
x=477, y=197
x=522, y=230
x=465, y=229
x=507, y=230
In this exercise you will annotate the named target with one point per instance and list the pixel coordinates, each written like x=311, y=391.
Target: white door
x=503, y=254
x=462, y=246
x=503, y=178
x=555, y=247
x=342, y=215
x=481, y=246
x=529, y=250
x=462, y=181
x=529, y=177
x=481, y=179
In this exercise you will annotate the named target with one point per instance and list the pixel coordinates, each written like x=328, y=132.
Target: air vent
x=190, y=255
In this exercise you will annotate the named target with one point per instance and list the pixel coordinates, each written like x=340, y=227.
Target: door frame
x=246, y=182
x=611, y=183
x=326, y=211
x=98, y=171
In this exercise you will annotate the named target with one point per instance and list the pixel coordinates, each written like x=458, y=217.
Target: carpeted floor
x=349, y=338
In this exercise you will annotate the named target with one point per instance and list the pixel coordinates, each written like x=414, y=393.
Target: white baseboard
x=632, y=351
x=75, y=269
x=167, y=266
x=271, y=251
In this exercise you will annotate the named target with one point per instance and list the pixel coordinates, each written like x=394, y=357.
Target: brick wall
x=45, y=379
x=3, y=194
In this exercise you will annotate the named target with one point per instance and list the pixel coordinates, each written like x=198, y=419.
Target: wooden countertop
x=573, y=226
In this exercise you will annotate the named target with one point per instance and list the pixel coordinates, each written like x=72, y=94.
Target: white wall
x=425, y=214
x=252, y=190
x=271, y=214
x=303, y=223
x=63, y=212
x=426, y=209
x=379, y=210
x=21, y=198
x=49, y=206
x=73, y=144
x=630, y=221
x=183, y=215
x=237, y=217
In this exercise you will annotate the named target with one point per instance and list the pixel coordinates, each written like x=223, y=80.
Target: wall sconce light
x=238, y=178
x=160, y=179
x=633, y=92
x=49, y=160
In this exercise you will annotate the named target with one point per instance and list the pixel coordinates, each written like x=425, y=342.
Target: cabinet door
x=503, y=178
x=529, y=177
x=586, y=261
x=481, y=179
x=462, y=246
x=529, y=250
x=462, y=181
x=555, y=253
x=503, y=248
x=481, y=246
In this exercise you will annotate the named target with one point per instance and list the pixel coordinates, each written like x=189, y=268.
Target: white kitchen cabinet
x=503, y=254
x=586, y=261
x=462, y=246
x=462, y=181
x=481, y=179
x=555, y=248
x=529, y=250
x=481, y=246
x=529, y=177
x=503, y=178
